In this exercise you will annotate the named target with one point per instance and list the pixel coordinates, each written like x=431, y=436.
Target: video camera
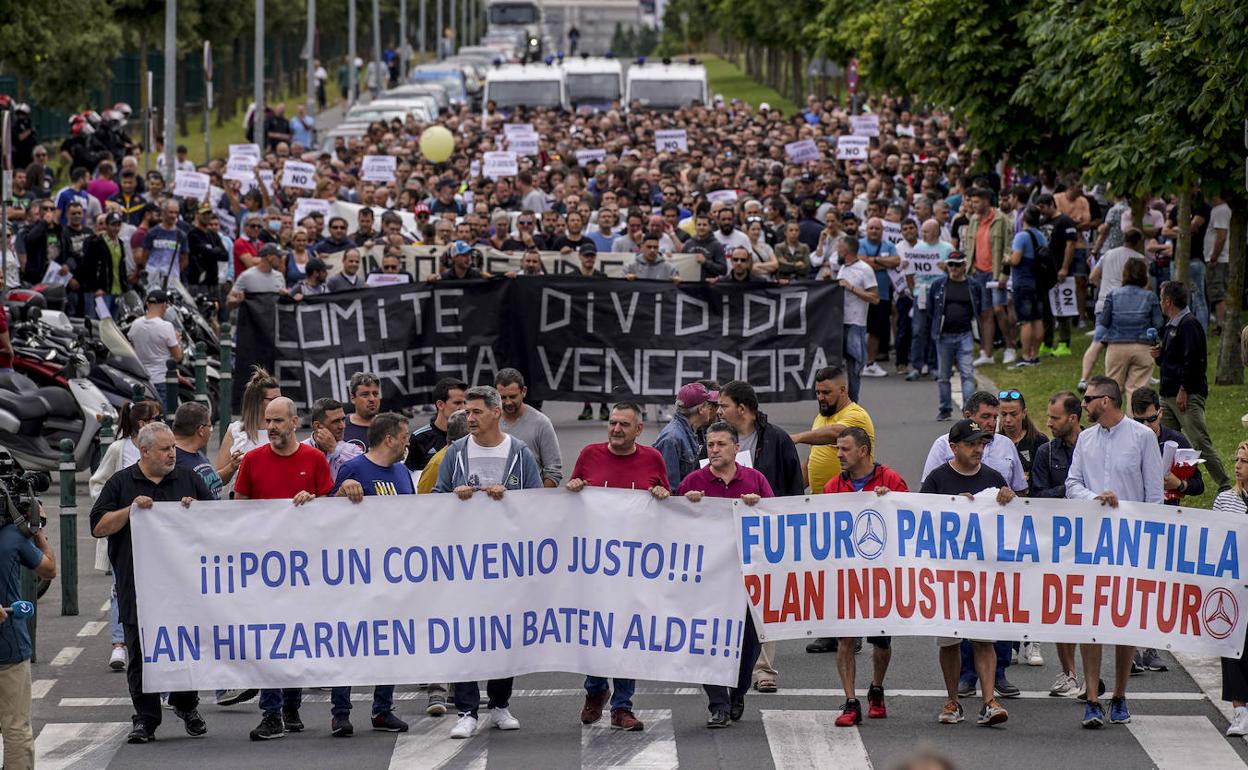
x=19, y=496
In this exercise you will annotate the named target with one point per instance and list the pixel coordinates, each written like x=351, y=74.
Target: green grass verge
x=1226, y=403
x=725, y=78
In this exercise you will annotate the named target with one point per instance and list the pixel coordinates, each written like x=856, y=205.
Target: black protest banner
x=573, y=338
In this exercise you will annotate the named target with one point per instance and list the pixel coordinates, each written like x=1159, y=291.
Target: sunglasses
x=1152, y=418
x=1090, y=399
x=1010, y=395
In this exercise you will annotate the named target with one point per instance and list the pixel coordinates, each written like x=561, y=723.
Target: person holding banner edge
x=1235, y=670
x=966, y=474
x=491, y=461
x=622, y=463
x=1119, y=457
x=723, y=477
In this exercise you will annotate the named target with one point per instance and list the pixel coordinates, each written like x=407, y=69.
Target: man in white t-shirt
x=861, y=290
x=727, y=234
x=155, y=340
x=1217, y=256
x=265, y=277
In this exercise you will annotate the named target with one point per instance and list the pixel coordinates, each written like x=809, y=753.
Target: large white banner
x=432, y=588
x=1041, y=570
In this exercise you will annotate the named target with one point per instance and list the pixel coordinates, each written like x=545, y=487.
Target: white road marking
x=653, y=749
x=428, y=744
x=1206, y=670
x=107, y=606
x=78, y=745
x=1181, y=743
x=93, y=627
x=40, y=688
x=66, y=656
x=801, y=740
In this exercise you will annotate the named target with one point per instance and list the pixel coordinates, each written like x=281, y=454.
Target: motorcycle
x=34, y=419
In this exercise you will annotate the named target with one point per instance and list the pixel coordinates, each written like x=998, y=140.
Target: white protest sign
x=865, y=125
x=378, y=168
x=722, y=196
x=300, y=175
x=306, y=206
x=387, y=279
x=923, y=262
x=892, y=232
x=1051, y=571
x=1062, y=299
x=513, y=130
x=266, y=176
x=804, y=151
x=431, y=588
x=500, y=164
x=852, y=147
x=191, y=184
x=523, y=144
x=245, y=150
x=474, y=168
x=241, y=168
x=671, y=140
x=585, y=157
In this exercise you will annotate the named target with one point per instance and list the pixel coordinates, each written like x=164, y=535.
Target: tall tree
x=49, y=47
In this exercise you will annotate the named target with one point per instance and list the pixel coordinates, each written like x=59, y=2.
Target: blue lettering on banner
x=375, y=638
x=783, y=536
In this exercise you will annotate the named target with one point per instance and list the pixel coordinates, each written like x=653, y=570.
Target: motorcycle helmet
x=123, y=108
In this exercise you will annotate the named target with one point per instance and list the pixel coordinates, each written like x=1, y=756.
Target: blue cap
x=459, y=247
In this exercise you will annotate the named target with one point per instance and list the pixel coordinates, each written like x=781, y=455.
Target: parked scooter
x=34, y=419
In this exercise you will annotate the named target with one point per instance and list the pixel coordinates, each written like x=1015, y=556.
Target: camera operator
x=18, y=545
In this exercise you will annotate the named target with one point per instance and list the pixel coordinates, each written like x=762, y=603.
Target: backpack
x=1042, y=265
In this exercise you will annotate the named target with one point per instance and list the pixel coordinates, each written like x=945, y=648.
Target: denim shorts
x=985, y=297
x=1027, y=305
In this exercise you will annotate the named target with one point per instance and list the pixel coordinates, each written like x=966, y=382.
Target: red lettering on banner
x=802, y=597
x=966, y=596
x=999, y=608
x=1165, y=622
x=945, y=577
x=753, y=589
x=1074, y=597
x=1020, y=614
x=1121, y=616
x=1191, y=606
x=1050, y=599
x=927, y=607
x=904, y=598
x=1099, y=599
x=859, y=600
x=882, y=590
x=1146, y=588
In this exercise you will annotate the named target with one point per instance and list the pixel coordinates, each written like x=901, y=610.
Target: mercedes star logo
x=1220, y=613
x=870, y=534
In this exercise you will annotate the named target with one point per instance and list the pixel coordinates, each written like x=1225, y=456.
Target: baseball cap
x=269, y=250
x=112, y=218
x=956, y=256
x=848, y=215
x=157, y=297
x=695, y=394
x=420, y=209
x=589, y=247
x=809, y=177
x=965, y=432
x=205, y=208
x=459, y=247
x=314, y=265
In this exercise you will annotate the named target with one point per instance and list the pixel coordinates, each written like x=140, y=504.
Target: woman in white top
x=765, y=262
x=1235, y=670
x=246, y=434
x=121, y=454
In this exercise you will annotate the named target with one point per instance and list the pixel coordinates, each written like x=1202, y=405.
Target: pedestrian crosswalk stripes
x=1182, y=743
x=797, y=739
x=605, y=749
x=804, y=740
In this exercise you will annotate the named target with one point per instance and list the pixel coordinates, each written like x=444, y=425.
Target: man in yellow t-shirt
x=836, y=413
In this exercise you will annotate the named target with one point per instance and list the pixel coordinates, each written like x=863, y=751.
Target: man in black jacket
x=710, y=255
x=207, y=252
x=104, y=264
x=771, y=451
x=1182, y=356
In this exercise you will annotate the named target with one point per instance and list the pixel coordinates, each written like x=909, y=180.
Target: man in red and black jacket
x=860, y=474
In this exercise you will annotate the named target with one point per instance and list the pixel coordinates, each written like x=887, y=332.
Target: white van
x=666, y=85
x=526, y=85
x=594, y=83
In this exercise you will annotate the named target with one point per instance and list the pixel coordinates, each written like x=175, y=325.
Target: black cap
x=157, y=297
x=314, y=265
x=808, y=177
x=112, y=218
x=965, y=432
x=269, y=250
x=588, y=247
x=848, y=215
x=956, y=256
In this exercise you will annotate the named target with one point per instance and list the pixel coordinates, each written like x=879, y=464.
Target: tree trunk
x=1230, y=365
x=1183, y=248
x=795, y=56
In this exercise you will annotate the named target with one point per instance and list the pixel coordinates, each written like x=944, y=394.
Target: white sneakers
x=1030, y=654
x=1065, y=686
x=466, y=727
x=1010, y=356
x=982, y=360
x=117, y=661
x=873, y=370
x=1239, y=723
x=503, y=719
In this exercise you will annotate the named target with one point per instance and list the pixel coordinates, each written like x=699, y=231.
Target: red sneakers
x=875, y=703
x=851, y=714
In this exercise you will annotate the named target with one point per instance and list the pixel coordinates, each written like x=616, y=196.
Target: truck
x=516, y=18
x=526, y=85
x=594, y=83
x=666, y=85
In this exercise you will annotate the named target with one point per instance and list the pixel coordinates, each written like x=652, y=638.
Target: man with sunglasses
x=337, y=241
x=740, y=269
x=1115, y=459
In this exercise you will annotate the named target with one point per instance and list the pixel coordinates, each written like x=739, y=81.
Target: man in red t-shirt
x=860, y=474
x=283, y=468
x=620, y=463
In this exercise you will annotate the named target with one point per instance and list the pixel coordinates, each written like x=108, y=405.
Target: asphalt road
x=82, y=711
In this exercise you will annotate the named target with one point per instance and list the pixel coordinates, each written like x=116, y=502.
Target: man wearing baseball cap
x=696, y=408
x=155, y=340
x=965, y=474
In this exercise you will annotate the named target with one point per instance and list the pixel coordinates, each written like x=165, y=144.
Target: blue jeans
x=855, y=357
x=119, y=634
x=161, y=391
x=949, y=347
x=274, y=701
x=922, y=340
x=383, y=700
x=1198, y=303
x=1003, y=650
x=621, y=696
x=468, y=695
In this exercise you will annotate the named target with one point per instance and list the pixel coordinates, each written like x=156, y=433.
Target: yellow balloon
x=436, y=144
